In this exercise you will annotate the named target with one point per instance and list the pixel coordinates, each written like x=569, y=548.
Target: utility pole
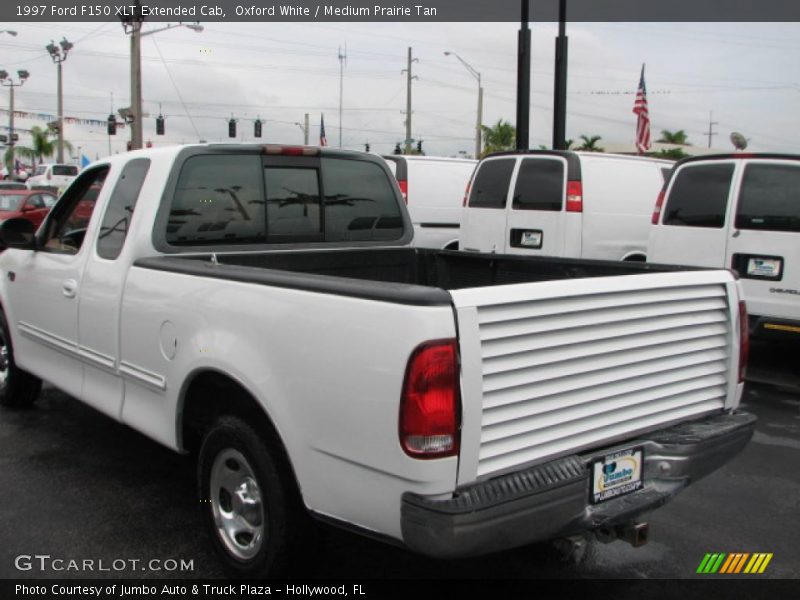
x=479, y=122
x=409, y=77
x=8, y=82
x=711, y=124
x=342, y=63
x=305, y=130
x=560, y=83
x=59, y=55
x=523, y=79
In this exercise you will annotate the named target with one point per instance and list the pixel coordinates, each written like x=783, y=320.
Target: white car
x=738, y=211
x=52, y=175
x=562, y=203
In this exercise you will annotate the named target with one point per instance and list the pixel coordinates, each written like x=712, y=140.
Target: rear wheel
x=17, y=387
x=249, y=500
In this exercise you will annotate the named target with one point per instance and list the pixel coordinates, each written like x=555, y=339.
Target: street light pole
x=9, y=83
x=479, y=122
x=59, y=55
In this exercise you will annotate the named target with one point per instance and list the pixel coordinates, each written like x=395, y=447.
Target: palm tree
x=41, y=147
x=501, y=136
x=674, y=137
x=590, y=143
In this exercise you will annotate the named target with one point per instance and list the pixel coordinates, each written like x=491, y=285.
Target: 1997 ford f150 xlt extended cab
x=260, y=306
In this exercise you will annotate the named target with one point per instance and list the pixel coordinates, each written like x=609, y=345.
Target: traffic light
x=397, y=149
x=112, y=124
x=257, y=128
x=366, y=147
x=232, y=128
x=419, y=146
x=129, y=145
x=160, y=125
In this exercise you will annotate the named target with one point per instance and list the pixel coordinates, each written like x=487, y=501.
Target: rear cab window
x=491, y=183
x=540, y=185
x=769, y=198
x=698, y=196
x=249, y=199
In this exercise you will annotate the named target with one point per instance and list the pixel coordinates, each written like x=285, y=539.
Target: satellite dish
x=738, y=140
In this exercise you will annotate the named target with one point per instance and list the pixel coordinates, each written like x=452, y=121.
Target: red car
x=32, y=205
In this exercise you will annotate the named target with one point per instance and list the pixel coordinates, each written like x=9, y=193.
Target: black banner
x=401, y=10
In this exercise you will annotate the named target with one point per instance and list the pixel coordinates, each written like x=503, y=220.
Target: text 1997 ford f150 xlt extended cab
x=260, y=305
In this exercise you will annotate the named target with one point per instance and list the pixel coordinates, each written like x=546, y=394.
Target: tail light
x=403, y=183
x=429, y=405
x=744, y=340
x=657, y=209
x=467, y=191
x=574, y=196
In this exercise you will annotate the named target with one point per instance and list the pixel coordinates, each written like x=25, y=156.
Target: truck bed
x=408, y=275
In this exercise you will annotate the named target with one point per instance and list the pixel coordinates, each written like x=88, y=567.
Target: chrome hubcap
x=236, y=504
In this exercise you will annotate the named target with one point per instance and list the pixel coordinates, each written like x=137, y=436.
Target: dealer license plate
x=764, y=267
x=617, y=474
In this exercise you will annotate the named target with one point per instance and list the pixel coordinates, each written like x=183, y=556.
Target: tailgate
x=549, y=368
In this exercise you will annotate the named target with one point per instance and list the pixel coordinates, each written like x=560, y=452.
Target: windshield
x=40, y=170
x=11, y=201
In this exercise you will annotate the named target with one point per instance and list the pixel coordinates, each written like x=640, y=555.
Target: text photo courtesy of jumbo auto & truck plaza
x=503, y=315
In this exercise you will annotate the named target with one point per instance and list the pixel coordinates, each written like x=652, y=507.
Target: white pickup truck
x=260, y=306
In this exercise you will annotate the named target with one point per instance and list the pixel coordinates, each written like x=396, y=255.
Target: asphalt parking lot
x=75, y=484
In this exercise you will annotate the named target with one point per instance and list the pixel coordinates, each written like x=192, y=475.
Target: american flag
x=323, y=140
x=643, y=122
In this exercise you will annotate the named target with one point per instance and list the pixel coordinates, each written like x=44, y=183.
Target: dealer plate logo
x=617, y=474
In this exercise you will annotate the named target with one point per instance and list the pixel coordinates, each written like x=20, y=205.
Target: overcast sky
x=745, y=73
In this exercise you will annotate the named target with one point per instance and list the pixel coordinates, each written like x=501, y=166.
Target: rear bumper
x=552, y=500
x=773, y=328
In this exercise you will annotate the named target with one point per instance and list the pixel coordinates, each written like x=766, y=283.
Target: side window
x=218, y=199
x=490, y=187
x=770, y=198
x=36, y=201
x=66, y=227
x=119, y=212
x=699, y=196
x=360, y=202
x=294, y=206
x=540, y=185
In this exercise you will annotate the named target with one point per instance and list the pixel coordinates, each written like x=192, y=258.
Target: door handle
x=69, y=288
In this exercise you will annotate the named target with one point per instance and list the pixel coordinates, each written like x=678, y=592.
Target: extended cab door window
x=66, y=225
x=114, y=228
x=699, y=196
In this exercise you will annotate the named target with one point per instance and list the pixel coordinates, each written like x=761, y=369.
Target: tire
x=250, y=504
x=18, y=388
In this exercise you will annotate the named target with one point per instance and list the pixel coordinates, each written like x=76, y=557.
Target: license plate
x=531, y=238
x=764, y=267
x=617, y=474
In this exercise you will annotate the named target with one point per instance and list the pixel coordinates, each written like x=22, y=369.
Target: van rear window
x=540, y=185
x=699, y=196
x=770, y=198
x=490, y=188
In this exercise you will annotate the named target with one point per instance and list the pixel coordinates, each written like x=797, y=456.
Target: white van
x=433, y=189
x=52, y=175
x=562, y=203
x=740, y=211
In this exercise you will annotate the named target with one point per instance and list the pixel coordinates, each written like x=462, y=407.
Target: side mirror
x=17, y=233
